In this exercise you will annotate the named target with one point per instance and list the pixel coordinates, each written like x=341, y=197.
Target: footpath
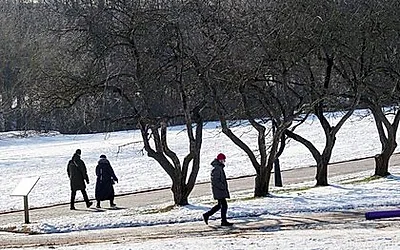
x=163, y=196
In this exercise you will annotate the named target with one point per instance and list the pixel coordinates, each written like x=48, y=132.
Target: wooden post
x=26, y=209
x=277, y=173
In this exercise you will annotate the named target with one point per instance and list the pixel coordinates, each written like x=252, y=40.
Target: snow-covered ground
x=336, y=197
x=47, y=157
x=333, y=239
x=345, y=193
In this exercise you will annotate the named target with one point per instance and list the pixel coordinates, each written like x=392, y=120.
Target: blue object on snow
x=382, y=214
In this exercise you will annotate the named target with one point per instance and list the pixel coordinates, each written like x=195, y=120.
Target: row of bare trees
x=102, y=65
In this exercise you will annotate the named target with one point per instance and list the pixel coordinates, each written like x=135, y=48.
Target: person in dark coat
x=105, y=181
x=77, y=174
x=220, y=190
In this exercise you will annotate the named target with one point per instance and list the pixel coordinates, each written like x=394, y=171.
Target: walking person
x=105, y=181
x=219, y=189
x=77, y=174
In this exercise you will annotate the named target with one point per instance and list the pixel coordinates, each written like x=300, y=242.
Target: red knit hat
x=221, y=156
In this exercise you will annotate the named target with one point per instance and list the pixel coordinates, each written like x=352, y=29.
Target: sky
x=47, y=155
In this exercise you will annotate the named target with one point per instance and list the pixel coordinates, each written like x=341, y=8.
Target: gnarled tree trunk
x=261, y=185
x=382, y=164
x=182, y=185
x=387, y=135
x=322, y=174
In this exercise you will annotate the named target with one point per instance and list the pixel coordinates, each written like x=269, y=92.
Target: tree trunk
x=180, y=196
x=382, y=164
x=2, y=122
x=322, y=174
x=261, y=189
x=387, y=135
x=262, y=182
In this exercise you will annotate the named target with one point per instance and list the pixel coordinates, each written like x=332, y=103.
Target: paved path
x=143, y=199
x=242, y=226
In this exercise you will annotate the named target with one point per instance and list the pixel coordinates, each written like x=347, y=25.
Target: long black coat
x=77, y=173
x=219, y=184
x=105, y=180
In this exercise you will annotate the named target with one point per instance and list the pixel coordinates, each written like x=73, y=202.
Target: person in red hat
x=220, y=190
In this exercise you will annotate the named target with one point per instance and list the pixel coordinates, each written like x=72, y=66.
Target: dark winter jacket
x=105, y=180
x=218, y=181
x=77, y=173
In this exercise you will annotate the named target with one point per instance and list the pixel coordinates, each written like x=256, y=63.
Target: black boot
x=72, y=202
x=86, y=198
x=89, y=203
x=112, y=204
x=205, y=218
x=226, y=224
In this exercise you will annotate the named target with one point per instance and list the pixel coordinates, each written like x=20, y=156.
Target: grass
x=158, y=210
x=13, y=229
x=363, y=180
x=289, y=190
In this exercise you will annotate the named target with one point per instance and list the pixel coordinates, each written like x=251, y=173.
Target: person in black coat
x=77, y=174
x=105, y=181
x=220, y=190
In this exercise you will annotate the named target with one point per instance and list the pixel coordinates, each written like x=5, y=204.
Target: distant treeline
x=82, y=66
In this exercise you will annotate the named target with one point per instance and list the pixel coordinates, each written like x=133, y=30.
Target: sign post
x=24, y=187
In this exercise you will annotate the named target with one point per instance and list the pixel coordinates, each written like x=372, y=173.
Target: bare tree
x=370, y=62
x=20, y=31
x=135, y=53
x=312, y=34
x=257, y=87
x=383, y=91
